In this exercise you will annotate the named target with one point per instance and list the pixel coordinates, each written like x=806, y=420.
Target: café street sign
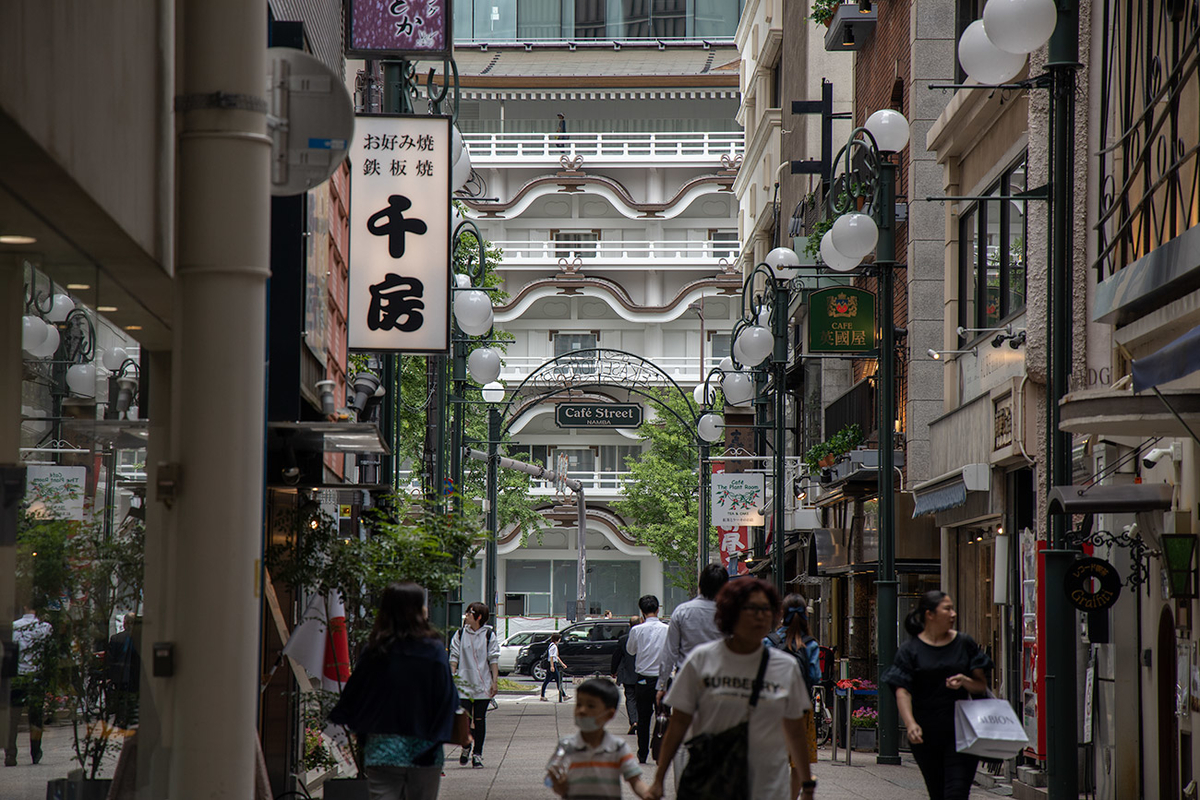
x=841, y=320
x=598, y=415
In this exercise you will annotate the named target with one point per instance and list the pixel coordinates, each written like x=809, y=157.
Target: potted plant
x=823, y=11
x=79, y=576
x=864, y=722
x=845, y=440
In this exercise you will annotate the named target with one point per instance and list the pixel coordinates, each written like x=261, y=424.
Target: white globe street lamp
x=484, y=365
x=709, y=427
x=81, y=379
x=473, y=312
x=855, y=234
x=737, y=388
x=756, y=343
x=114, y=358
x=493, y=392
x=48, y=346
x=784, y=261
x=834, y=258
x=33, y=332
x=983, y=60
x=60, y=307
x=889, y=129
x=1019, y=26
x=698, y=394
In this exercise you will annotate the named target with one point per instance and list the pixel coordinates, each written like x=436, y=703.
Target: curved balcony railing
x=682, y=369
x=591, y=481
x=631, y=254
x=679, y=148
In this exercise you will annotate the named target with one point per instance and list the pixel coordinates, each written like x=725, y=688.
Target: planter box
x=67, y=789
x=346, y=789
x=863, y=738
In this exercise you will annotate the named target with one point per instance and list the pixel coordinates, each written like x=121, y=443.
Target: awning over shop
x=1177, y=360
x=331, y=437
x=1128, y=498
x=950, y=490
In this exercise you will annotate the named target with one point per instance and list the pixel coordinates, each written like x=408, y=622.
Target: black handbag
x=718, y=766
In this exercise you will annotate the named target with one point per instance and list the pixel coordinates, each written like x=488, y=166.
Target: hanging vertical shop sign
x=733, y=542
x=400, y=234
x=737, y=499
x=841, y=320
x=376, y=28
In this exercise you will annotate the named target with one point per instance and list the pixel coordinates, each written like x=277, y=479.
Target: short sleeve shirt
x=922, y=669
x=714, y=686
x=595, y=773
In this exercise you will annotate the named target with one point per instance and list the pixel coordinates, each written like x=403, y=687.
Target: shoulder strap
x=775, y=639
x=758, y=681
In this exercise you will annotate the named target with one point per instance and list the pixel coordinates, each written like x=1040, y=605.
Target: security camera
x=1158, y=454
x=325, y=390
x=365, y=385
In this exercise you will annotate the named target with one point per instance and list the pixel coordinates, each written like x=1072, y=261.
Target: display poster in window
x=55, y=492
x=400, y=234
x=841, y=320
x=376, y=28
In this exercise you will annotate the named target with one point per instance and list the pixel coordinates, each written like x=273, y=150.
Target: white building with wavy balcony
x=619, y=236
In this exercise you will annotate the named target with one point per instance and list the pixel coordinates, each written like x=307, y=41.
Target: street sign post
x=598, y=415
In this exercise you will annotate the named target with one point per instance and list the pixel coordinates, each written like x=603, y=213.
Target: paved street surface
x=521, y=736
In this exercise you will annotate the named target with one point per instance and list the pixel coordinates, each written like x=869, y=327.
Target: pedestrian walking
x=28, y=689
x=123, y=668
x=936, y=667
x=554, y=668
x=400, y=699
x=735, y=697
x=793, y=638
x=591, y=764
x=475, y=660
x=560, y=132
x=645, y=644
x=625, y=674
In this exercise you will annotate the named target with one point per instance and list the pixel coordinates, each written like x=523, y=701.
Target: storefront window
x=992, y=254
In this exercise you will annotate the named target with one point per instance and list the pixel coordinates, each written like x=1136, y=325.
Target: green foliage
x=410, y=539
x=78, y=576
x=823, y=10
x=812, y=245
x=661, y=492
x=837, y=445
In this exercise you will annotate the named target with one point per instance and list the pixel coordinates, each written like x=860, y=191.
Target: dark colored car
x=586, y=648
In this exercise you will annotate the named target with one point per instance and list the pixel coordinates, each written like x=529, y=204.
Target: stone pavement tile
x=27, y=781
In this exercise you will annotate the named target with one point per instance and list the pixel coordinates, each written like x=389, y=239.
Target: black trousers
x=478, y=711
x=631, y=702
x=948, y=774
x=647, y=687
x=556, y=675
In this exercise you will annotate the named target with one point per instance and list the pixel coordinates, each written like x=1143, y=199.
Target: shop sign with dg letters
x=841, y=320
x=400, y=234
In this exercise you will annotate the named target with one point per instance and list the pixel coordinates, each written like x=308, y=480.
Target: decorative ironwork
x=1139, y=552
x=571, y=164
x=1149, y=128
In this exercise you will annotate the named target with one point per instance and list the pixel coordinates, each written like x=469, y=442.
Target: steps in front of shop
x=1030, y=784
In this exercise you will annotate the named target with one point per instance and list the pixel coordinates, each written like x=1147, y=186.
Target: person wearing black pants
x=935, y=668
x=646, y=644
x=554, y=669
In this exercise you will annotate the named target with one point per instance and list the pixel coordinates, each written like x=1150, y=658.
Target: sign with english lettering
x=737, y=498
x=1092, y=584
x=598, y=415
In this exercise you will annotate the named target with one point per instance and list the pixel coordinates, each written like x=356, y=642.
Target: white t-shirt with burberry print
x=714, y=687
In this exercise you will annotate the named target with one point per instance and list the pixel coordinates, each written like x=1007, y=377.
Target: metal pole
x=779, y=363
x=493, y=512
x=1061, y=632
x=581, y=608
x=458, y=381
x=885, y=392
x=704, y=510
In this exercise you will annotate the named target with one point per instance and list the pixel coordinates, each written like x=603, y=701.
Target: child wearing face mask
x=592, y=763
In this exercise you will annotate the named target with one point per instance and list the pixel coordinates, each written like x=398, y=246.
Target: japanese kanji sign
x=841, y=320
x=400, y=234
x=733, y=543
x=736, y=499
x=377, y=28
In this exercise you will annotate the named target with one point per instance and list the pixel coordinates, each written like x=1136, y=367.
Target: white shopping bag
x=988, y=728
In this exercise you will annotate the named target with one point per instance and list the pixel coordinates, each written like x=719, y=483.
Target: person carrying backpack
x=794, y=638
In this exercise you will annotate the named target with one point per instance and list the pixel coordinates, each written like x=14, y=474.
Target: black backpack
x=802, y=657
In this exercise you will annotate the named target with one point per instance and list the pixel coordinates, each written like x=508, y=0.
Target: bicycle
x=821, y=715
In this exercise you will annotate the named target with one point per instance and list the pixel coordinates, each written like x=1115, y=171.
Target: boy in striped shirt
x=591, y=764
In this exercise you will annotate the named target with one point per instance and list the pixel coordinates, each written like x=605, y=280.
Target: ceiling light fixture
x=78, y=287
x=106, y=309
x=15, y=238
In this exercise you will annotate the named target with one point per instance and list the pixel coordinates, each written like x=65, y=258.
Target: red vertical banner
x=1033, y=641
x=731, y=542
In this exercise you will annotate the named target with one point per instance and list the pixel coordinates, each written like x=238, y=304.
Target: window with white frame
x=575, y=244
x=724, y=244
x=992, y=254
x=567, y=343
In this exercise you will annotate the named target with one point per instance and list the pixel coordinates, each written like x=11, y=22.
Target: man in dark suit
x=624, y=674
x=124, y=673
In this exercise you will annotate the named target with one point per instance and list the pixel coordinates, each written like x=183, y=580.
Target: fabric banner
x=319, y=643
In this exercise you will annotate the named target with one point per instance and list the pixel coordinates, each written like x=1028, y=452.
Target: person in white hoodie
x=475, y=662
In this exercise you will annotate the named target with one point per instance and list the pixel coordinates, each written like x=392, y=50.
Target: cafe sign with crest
x=841, y=320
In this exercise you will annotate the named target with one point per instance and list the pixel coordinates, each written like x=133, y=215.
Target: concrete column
x=155, y=732
x=220, y=319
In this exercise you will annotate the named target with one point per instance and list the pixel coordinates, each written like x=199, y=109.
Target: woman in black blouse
x=932, y=670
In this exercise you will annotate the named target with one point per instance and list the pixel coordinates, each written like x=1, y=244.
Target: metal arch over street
x=595, y=367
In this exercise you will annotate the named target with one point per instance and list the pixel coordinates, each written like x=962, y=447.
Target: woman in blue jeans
x=936, y=667
x=554, y=669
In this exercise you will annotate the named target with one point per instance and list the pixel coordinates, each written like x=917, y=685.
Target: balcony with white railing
x=683, y=370
x=594, y=483
x=631, y=255
x=678, y=149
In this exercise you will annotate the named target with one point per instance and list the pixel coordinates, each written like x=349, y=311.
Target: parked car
x=586, y=648
x=511, y=646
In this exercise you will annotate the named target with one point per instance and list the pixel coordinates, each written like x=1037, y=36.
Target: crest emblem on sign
x=843, y=305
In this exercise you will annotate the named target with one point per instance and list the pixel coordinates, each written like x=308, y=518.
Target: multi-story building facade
x=618, y=229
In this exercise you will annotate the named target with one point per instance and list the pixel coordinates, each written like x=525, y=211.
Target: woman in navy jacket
x=400, y=699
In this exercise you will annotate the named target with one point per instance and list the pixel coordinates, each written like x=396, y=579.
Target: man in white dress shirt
x=646, y=643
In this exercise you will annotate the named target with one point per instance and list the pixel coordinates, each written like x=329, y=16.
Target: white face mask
x=587, y=724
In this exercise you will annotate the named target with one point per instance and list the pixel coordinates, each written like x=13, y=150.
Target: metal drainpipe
x=493, y=512
x=782, y=302
x=220, y=327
